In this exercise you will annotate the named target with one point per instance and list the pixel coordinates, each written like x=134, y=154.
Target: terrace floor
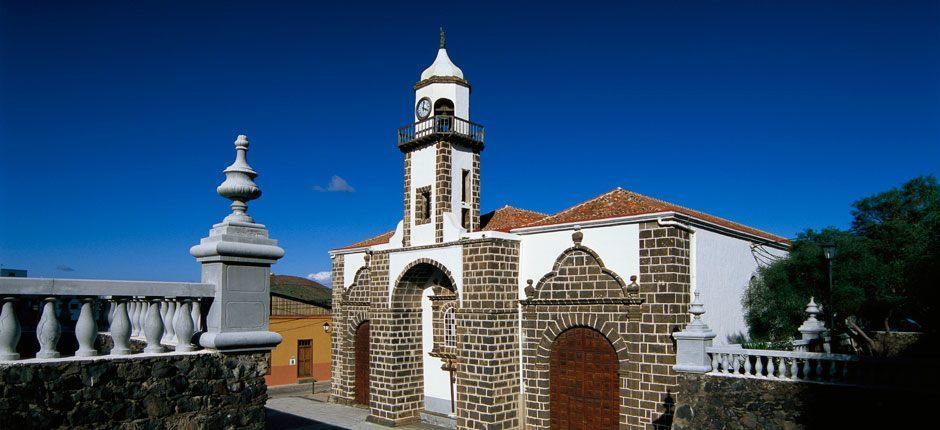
x=304, y=411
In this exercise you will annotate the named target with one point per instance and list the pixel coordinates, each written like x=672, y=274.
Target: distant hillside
x=302, y=289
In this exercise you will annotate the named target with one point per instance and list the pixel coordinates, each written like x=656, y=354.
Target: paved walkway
x=309, y=412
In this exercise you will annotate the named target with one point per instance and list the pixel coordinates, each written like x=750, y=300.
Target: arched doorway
x=583, y=381
x=406, y=337
x=362, y=363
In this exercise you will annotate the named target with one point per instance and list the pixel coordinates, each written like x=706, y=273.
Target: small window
x=465, y=189
x=450, y=328
x=423, y=205
x=465, y=218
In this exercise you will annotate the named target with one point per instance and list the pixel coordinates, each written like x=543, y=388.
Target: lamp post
x=829, y=251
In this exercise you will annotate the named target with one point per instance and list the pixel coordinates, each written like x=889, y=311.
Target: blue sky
x=116, y=118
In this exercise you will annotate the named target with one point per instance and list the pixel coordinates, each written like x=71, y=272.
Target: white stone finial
x=812, y=328
x=692, y=343
x=239, y=186
x=697, y=309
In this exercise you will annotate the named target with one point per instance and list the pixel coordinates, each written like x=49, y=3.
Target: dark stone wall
x=716, y=402
x=199, y=390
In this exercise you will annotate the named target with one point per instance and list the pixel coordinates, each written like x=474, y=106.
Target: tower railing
x=441, y=125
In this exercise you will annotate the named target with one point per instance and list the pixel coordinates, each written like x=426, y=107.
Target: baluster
x=819, y=370
x=120, y=328
x=170, y=318
x=153, y=328
x=110, y=314
x=845, y=371
x=184, y=327
x=164, y=316
x=724, y=363
x=48, y=330
x=86, y=330
x=134, y=317
x=196, y=314
x=164, y=308
x=759, y=366
x=144, y=314
x=794, y=369
x=10, y=330
x=832, y=370
x=715, y=362
x=747, y=363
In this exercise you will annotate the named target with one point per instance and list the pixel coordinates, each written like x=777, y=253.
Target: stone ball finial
x=633, y=288
x=239, y=185
x=577, y=236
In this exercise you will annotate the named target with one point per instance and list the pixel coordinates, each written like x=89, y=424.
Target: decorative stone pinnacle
x=697, y=309
x=239, y=186
x=443, y=38
x=577, y=236
x=812, y=309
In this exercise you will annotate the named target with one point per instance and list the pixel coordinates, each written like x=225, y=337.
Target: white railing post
x=135, y=317
x=692, y=342
x=153, y=330
x=196, y=315
x=9, y=330
x=86, y=330
x=236, y=257
x=170, y=319
x=120, y=328
x=184, y=327
x=164, y=307
x=48, y=330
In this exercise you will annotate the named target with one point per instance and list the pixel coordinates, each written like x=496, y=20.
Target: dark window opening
x=423, y=205
x=465, y=187
x=465, y=218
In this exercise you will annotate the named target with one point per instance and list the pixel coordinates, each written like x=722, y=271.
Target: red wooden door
x=583, y=384
x=362, y=364
x=304, y=358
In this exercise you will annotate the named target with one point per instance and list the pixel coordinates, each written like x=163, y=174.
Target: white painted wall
x=451, y=257
x=458, y=94
x=618, y=246
x=723, y=268
x=422, y=174
x=351, y=264
x=436, y=381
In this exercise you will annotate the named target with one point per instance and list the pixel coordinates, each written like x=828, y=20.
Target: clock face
x=423, y=109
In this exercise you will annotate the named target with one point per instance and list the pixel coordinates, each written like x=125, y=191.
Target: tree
x=883, y=274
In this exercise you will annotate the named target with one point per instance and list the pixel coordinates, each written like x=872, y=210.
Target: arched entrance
x=583, y=381
x=362, y=363
x=407, y=377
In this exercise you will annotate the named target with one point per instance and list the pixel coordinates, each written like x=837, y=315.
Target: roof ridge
x=520, y=209
x=556, y=214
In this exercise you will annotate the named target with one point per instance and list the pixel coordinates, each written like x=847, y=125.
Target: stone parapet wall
x=191, y=390
x=705, y=402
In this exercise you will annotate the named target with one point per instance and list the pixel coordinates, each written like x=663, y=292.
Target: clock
x=423, y=109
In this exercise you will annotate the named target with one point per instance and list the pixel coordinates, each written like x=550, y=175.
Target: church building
x=519, y=319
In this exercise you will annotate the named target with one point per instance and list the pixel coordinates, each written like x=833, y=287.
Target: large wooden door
x=583, y=384
x=304, y=358
x=362, y=364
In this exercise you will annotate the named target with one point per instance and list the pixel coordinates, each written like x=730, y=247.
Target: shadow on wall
x=664, y=422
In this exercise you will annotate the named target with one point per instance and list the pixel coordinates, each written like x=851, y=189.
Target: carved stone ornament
x=239, y=185
x=577, y=236
x=529, y=290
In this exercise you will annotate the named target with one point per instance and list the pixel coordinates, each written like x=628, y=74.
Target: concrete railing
x=783, y=365
x=160, y=313
x=235, y=258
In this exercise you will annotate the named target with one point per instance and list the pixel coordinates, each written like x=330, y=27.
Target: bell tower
x=442, y=157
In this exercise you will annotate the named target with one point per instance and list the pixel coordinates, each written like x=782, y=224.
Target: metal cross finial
x=443, y=38
x=239, y=186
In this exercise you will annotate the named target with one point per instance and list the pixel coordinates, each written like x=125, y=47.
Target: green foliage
x=885, y=271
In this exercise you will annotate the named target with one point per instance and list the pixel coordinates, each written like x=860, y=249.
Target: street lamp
x=829, y=251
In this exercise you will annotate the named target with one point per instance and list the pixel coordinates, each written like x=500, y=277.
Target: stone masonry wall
x=487, y=331
x=715, y=402
x=442, y=188
x=406, y=220
x=193, y=390
x=340, y=390
x=665, y=288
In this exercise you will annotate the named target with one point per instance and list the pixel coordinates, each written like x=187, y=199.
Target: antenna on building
x=443, y=38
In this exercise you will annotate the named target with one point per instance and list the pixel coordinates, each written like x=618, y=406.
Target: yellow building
x=300, y=312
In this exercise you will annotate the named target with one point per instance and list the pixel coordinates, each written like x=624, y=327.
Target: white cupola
x=442, y=65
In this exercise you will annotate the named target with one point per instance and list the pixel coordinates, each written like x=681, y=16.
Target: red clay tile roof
x=377, y=240
x=507, y=218
x=621, y=203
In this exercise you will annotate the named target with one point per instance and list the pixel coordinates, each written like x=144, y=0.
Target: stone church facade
x=517, y=319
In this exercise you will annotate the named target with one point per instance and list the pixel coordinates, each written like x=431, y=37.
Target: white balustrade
x=133, y=310
x=781, y=365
